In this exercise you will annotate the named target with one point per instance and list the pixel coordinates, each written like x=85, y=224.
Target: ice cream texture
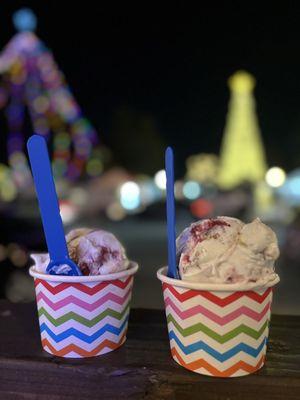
x=226, y=250
x=96, y=252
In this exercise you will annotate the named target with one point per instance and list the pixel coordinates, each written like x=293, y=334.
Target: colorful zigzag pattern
x=83, y=319
x=218, y=333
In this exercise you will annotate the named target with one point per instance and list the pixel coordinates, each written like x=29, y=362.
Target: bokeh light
x=24, y=20
x=201, y=208
x=8, y=189
x=275, y=177
x=20, y=287
x=178, y=190
x=41, y=104
x=202, y=168
x=149, y=192
x=290, y=190
x=130, y=195
x=79, y=196
x=160, y=179
x=115, y=212
x=17, y=255
x=94, y=167
x=294, y=185
x=68, y=211
x=191, y=190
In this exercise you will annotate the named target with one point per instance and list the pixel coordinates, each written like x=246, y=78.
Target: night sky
x=172, y=67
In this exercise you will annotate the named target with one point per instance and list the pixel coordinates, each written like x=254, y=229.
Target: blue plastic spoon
x=60, y=263
x=172, y=267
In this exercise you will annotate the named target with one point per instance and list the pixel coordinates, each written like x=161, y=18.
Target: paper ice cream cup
x=218, y=330
x=83, y=316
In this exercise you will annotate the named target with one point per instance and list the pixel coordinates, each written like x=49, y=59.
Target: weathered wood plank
x=141, y=369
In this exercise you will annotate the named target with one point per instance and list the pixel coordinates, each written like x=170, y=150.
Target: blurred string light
x=191, y=190
x=275, y=177
x=160, y=179
x=130, y=195
x=33, y=83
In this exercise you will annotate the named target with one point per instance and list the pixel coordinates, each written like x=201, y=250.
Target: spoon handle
x=169, y=162
x=47, y=198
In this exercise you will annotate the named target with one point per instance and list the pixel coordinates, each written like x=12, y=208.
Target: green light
x=94, y=167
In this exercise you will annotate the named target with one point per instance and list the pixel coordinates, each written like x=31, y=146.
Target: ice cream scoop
x=96, y=252
x=225, y=250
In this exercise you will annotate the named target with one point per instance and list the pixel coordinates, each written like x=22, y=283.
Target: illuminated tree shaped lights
x=202, y=168
x=32, y=83
x=242, y=153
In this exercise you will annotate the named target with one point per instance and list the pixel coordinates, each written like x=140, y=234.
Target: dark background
x=170, y=67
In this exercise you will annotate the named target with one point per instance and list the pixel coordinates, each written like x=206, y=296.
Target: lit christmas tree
x=242, y=156
x=33, y=85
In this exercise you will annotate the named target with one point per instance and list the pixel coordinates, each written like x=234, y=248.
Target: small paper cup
x=83, y=316
x=217, y=329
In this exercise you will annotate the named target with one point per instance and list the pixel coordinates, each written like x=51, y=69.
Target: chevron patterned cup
x=83, y=316
x=217, y=330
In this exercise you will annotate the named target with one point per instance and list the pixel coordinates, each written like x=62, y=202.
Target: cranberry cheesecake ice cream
x=96, y=252
x=226, y=250
x=219, y=312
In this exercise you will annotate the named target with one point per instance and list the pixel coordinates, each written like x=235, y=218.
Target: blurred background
x=110, y=89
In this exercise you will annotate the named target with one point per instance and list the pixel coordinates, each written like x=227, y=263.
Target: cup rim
x=131, y=270
x=216, y=287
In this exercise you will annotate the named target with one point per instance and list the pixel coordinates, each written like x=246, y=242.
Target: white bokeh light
x=68, y=212
x=160, y=179
x=275, y=177
x=130, y=195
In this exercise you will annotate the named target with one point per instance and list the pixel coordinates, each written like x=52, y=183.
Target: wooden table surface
x=141, y=369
